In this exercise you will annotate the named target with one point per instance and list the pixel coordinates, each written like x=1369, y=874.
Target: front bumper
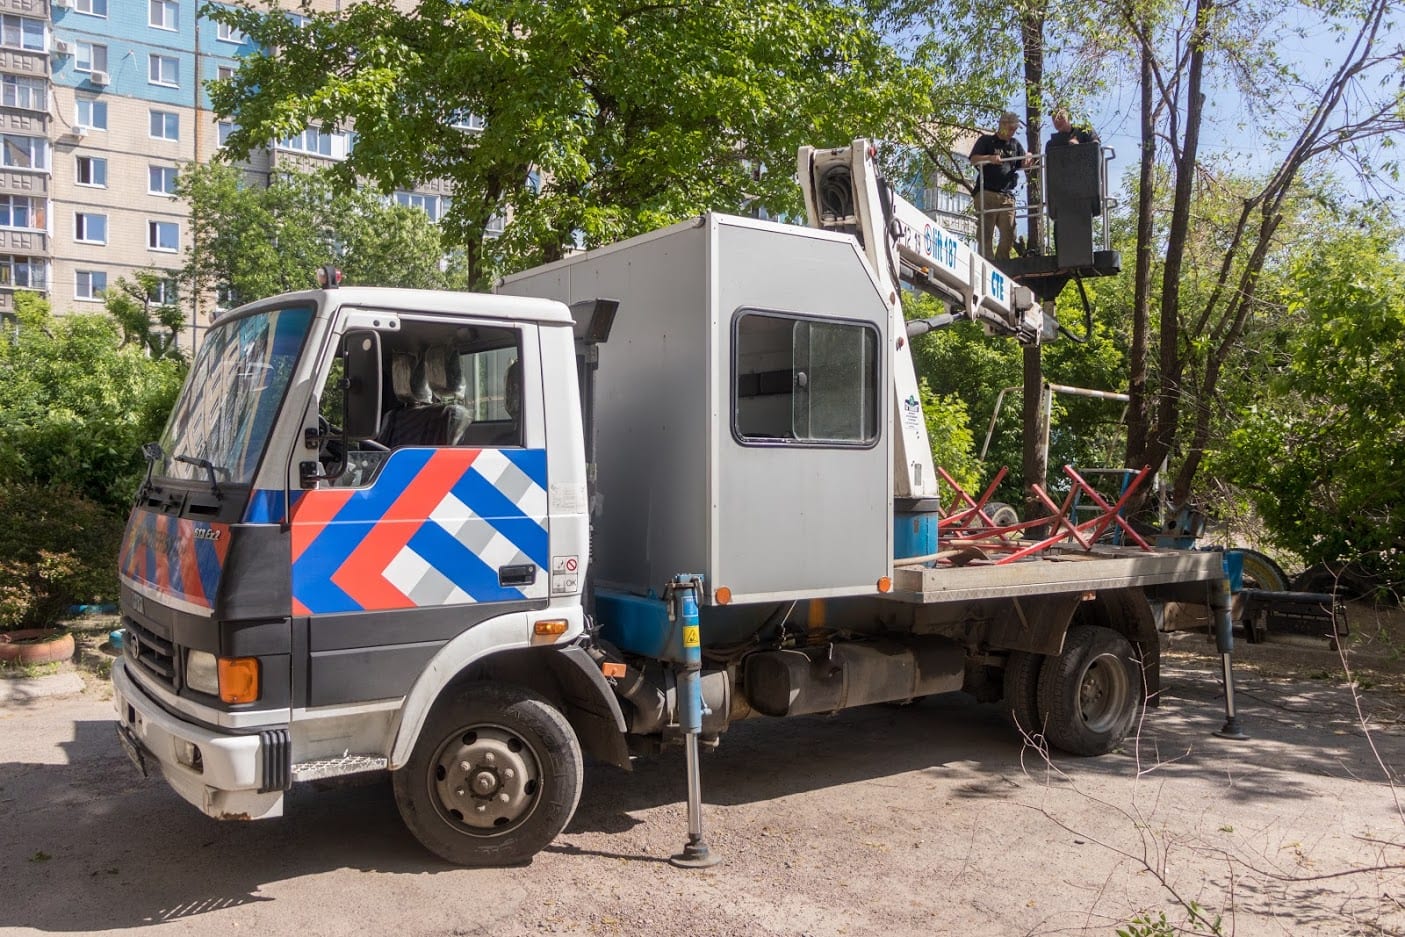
x=229, y=780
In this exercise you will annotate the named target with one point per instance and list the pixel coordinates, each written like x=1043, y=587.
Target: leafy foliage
x=152, y=324
x=57, y=549
x=76, y=404
x=252, y=241
x=598, y=120
x=1322, y=454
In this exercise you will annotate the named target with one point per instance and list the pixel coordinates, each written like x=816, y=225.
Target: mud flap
x=591, y=706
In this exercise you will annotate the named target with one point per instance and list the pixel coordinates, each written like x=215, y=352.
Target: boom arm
x=844, y=192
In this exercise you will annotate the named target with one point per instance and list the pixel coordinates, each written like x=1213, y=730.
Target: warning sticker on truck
x=565, y=575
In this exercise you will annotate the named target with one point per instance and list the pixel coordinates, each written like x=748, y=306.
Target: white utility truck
x=637, y=495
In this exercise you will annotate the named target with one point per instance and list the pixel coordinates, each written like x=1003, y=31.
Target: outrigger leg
x=1224, y=641
x=683, y=595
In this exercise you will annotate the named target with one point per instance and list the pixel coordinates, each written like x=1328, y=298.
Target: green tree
x=250, y=241
x=148, y=312
x=76, y=403
x=599, y=120
x=1322, y=455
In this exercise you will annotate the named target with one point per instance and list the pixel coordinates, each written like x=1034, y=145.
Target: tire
x=1022, y=693
x=521, y=786
x=1091, y=693
x=1261, y=572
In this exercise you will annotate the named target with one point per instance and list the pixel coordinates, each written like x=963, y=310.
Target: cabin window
x=799, y=380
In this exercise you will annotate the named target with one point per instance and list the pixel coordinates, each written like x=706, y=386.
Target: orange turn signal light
x=885, y=584
x=239, y=679
x=723, y=596
x=549, y=627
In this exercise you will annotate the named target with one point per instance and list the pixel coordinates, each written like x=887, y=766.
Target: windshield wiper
x=153, y=453
x=209, y=467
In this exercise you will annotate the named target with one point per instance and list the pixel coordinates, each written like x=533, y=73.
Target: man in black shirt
x=999, y=157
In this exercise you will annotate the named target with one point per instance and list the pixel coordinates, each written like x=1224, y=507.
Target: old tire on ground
x=494, y=776
x=1022, y=692
x=1091, y=693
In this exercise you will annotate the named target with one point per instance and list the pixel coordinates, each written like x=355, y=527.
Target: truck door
x=437, y=524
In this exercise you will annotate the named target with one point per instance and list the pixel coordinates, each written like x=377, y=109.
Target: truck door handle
x=523, y=575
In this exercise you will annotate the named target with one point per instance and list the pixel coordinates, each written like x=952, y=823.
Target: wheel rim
x=486, y=780
x=1103, y=693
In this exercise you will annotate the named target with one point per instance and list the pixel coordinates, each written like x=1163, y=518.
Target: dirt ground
x=921, y=820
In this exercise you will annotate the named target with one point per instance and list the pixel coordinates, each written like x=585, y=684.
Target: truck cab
x=361, y=495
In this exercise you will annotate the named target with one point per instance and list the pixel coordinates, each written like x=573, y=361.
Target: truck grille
x=155, y=654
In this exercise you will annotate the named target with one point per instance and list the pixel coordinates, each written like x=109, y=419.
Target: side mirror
x=361, y=411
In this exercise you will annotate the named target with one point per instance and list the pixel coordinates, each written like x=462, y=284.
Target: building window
x=163, y=70
x=223, y=129
x=18, y=152
x=32, y=94
x=435, y=206
x=92, y=7
x=804, y=381
x=89, y=228
x=465, y=120
x=89, y=285
x=224, y=72
x=318, y=142
x=163, y=293
x=92, y=114
x=90, y=57
x=495, y=226
x=90, y=170
x=21, y=32
x=163, y=14
x=21, y=211
x=165, y=125
x=161, y=180
x=163, y=236
x=297, y=19
x=227, y=33
x=23, y=273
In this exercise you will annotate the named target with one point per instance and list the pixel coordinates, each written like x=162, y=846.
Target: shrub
x=57, y=549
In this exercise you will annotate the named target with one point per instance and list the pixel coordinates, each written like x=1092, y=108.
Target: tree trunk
x=1139, y=407
x=1036, y=455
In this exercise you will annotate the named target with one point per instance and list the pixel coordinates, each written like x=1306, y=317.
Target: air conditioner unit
x=62, y=4
x=79, y=132
x=63, y=47
x=98, y=78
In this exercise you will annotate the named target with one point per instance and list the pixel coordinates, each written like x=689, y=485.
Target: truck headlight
x=202, y=672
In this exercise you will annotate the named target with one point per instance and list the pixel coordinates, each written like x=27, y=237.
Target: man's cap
x=1010, y=117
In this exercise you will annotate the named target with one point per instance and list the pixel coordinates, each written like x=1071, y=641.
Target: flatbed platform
x=1059, y=570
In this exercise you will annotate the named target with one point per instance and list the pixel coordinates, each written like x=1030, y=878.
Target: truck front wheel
x=1091, y=692
x=494, y=777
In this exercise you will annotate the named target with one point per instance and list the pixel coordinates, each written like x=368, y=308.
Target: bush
x=57, y=549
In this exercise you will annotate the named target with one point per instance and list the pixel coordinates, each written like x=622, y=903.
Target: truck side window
x=445, y=384
x=802, y=380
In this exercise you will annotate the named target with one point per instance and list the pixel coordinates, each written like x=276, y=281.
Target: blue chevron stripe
x=489, y=503
x=460, y=565
x=532, y=462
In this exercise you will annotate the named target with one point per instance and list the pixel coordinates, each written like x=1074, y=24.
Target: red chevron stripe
x=311, y=515
x=361, y=576
x=191, y=586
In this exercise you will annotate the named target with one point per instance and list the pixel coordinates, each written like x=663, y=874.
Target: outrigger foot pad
x=695, y=856
x=1230, y=730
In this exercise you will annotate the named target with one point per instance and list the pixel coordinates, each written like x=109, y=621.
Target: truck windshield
x=232, y=395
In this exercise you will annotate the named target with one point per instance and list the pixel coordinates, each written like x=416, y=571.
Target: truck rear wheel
x=1090, y=694
x=1022, y=692
x=494, y=777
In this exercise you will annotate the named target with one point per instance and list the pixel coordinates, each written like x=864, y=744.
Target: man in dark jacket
x=998, y=157
x=1065, y=132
